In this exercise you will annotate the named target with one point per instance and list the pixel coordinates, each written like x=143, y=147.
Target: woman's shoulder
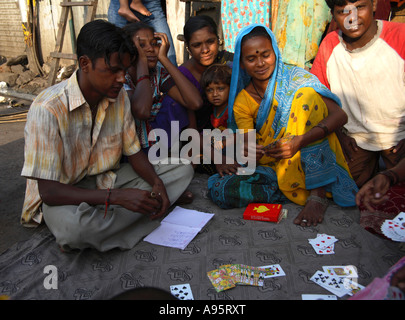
x=244, y=99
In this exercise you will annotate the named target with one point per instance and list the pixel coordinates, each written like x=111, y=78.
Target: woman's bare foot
x=127, y=14
x=186, y=198
x=314, y=210
x=138, y=6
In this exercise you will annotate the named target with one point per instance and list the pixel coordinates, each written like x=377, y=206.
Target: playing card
x=273, y=270
x=318, y=297
x=220, y=280
x=394, y=293
x=393, y=230
x=352, y=286
x=330, y=283
x=182, y=291
x=400, y=218
x=341, y=271
x=323, y=243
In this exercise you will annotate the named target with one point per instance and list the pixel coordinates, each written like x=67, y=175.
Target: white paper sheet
x=179, y=228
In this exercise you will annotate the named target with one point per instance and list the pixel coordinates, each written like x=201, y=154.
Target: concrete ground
x=12, y=185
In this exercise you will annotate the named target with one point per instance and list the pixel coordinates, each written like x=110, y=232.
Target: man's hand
x=373, y=192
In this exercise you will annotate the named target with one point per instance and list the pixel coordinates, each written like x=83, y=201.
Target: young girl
x=215, y=82
x=148, y=82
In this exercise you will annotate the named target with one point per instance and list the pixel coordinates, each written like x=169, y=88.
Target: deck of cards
x=339, y=280
x=395, y=228
x=229, y=275
x=323, y=243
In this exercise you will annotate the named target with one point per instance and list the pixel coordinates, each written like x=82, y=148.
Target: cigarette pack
x=265, y=212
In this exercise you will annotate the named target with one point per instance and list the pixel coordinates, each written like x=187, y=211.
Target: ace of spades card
x=182, y=291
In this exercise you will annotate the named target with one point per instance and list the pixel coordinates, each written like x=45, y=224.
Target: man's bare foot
x=138, y=6
x=186, y=198
x=313, y=212
x=127, y=14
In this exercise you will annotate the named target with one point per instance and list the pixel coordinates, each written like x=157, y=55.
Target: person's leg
x=113, y=16
x=125, y=11
x=364, y=165
x=85, y=226
x=138, y=6
x=159, y=22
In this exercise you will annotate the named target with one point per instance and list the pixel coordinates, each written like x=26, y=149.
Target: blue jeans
x=157, y=20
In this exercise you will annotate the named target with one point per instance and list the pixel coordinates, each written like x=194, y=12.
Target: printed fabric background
x=227, y=238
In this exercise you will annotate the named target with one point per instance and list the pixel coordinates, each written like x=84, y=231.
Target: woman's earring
x=220, y=42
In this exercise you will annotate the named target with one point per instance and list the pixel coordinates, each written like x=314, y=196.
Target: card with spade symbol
x=182, y=291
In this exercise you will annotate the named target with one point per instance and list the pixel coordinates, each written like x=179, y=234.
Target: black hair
x=216, y=73
x=132, y=28
x=100, y=38
x=256, y=32
x=196, y=23
x=332, y=3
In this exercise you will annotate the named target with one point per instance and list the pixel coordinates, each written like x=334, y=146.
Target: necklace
x=261, y=98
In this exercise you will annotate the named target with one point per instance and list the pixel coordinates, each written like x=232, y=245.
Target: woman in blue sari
x=294, y=116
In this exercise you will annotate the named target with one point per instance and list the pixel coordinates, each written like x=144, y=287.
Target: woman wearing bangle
x=382, y=197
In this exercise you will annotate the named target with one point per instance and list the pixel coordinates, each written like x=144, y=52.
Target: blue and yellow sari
x=292, y=105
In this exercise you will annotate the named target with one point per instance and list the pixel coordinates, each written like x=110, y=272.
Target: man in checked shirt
x=75, y=136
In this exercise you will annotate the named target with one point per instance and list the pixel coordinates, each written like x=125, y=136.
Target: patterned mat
x=227, y=238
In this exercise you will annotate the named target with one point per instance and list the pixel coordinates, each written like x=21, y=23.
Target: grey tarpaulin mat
x=227, y=238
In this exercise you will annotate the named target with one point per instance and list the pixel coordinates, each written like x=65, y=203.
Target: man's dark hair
x=100, y=38
x=196, y=23
x=332, y=3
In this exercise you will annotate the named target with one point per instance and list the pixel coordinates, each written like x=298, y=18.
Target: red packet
x=264, y=212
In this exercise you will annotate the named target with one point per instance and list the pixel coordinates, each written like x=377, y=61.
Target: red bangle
x=145, y=76
x=107, y=201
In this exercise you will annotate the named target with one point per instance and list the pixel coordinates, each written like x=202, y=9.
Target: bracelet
x=107, y=201
x=143, y=77
x=324, y=128
x=391, y=175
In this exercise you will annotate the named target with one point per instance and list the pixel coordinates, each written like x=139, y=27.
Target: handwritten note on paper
x=179, y=228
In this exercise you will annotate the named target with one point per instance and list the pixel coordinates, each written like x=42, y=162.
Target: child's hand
x=229, y=169
x=164, y=45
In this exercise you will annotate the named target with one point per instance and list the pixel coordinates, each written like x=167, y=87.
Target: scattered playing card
x=318, y=297
x=182, y=291
x=221, y=280
x=341, y=271
x=273, y=270
x=394, y=293
x=330, y=283
x=229, y=275
x=323, y=243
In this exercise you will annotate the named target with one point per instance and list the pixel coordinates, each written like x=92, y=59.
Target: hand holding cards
x=395, y=228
